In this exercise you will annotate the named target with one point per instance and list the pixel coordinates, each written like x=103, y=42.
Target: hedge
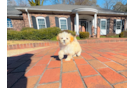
x=28, y=33
x=33, y=34
x=84, y=35
x=123, y=34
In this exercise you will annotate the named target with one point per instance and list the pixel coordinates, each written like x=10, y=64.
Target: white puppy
x=68, y=46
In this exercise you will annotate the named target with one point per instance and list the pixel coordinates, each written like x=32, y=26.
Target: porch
x=89, y=20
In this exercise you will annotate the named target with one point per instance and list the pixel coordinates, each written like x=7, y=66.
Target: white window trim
x=12, y=25
x=103, y=20
x=37, y=21
x=120, y=25
x=60, y=23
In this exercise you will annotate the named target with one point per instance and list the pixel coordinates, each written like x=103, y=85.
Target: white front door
x=103, y=27
x=118, y=26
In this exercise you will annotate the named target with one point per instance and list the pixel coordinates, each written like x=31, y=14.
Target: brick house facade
x=77, y=17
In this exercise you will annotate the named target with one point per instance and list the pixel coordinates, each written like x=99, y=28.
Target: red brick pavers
x=101, y=65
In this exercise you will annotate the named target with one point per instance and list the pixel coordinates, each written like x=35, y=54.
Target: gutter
x=70, y=11
x=44, y=9
x=15, y=15
x=28, y=17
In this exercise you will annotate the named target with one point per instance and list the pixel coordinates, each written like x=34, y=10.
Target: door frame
x=100, y=26
x=120, y=26
x=86, y=24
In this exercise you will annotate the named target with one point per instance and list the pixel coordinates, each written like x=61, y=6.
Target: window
x=9, y=23
x=41, y=22
x=118, y=24
x=103, y=24
x=63, y=23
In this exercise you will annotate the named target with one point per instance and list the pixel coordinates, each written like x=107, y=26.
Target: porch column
x=77, y=24
x=95, y=23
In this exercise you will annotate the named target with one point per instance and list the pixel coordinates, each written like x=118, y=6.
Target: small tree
x=120, y=7
x=36, y=2
x=109, y=4
x=76, y=2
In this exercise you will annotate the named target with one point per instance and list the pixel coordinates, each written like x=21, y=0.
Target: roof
x=58, y=7
x=12, y=11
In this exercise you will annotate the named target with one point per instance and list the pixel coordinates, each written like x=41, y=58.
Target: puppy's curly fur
x=68, y=45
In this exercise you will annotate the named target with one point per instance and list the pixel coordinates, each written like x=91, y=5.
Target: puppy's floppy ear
x=71, y=38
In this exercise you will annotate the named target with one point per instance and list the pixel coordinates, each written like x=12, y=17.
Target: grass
x=10, y=42
x=114, y=36
x=54, y=38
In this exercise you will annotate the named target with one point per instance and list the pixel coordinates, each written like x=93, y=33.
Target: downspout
x=28, y=17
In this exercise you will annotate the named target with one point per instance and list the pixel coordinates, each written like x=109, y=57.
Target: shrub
x=48, y=33
x=26, y=28
x=30, y=34
x=123, y=34
x=13, y=35
x=33, y=34
x=84, y=34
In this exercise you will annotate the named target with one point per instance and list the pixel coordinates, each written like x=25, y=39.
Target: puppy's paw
x=74, y=55
x=78, y=54
x=60, y=57
x=67, y=59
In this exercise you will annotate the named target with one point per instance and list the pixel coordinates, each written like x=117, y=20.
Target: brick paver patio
x=101, y=65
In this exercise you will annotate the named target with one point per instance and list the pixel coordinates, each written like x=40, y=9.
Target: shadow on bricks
x=57, y=58
x=16, y=69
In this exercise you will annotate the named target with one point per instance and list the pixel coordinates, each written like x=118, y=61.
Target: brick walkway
x=101, y=65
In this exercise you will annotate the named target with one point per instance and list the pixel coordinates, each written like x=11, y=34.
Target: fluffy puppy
x=68, y=46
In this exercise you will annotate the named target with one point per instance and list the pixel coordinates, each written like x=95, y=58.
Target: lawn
x=114, y=36
x=10, y=42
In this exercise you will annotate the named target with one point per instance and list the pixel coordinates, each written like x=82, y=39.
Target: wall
x=111, y=20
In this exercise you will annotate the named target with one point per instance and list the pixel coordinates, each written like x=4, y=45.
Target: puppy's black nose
x=63, y=40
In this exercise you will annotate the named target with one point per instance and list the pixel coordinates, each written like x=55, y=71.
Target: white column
x=95, y=23
x=77, y=24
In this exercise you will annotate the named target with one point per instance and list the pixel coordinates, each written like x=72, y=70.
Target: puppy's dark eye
x=66, y=38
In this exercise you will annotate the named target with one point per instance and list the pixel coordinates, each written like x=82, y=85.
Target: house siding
x=51, y=18
x=17, y=24
x=25, y=18
x=111, y=20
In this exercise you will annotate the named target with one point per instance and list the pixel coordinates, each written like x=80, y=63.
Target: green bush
x=26, y=28
x=33, y=34
x=84, y=35
x=13, y=35
x=48, y=33
x=30, y=34
x=123, y=34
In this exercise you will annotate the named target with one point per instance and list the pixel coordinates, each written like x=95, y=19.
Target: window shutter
x=123, y=23
x=69, y=23
x=34, y=22
x=57, y=21
x=98, y=22
x=114, y=26
x=108, y=25
x=47, y=21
